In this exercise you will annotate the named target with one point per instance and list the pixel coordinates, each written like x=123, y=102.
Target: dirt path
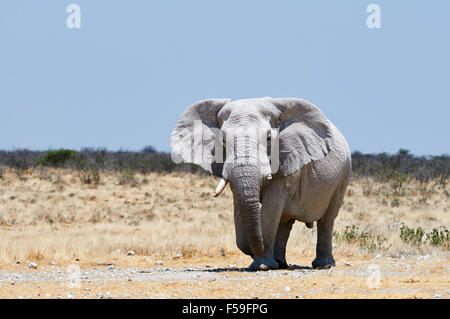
x=141, y=277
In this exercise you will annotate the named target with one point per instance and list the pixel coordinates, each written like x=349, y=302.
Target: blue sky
x=124, y=77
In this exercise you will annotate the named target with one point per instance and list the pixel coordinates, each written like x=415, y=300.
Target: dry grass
x=52, y=214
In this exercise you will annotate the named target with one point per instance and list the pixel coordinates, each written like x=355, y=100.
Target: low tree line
x=381, y=166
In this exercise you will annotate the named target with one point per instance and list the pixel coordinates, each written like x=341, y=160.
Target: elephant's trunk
x=246, y=182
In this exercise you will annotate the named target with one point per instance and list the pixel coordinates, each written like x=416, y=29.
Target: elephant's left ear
x=305, y=134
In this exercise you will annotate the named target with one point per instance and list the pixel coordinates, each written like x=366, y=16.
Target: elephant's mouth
x=223, y=183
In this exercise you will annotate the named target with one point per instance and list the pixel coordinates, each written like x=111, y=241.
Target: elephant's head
x=246, y=142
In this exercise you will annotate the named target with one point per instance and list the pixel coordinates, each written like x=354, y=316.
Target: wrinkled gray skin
x=308, y=186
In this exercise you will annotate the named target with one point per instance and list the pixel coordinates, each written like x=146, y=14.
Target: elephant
x=284, y=162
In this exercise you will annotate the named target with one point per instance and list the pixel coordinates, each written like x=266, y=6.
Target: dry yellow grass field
x=51, y=218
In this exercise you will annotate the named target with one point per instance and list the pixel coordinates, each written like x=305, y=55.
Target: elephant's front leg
x=272, y=200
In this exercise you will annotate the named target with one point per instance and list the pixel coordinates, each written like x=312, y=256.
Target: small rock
x=32, y=265
x=100, y=295
x=131, y=253
x=208, y=266
x=378, y=256
x=53, y=263
x=159, y=262
x=179, y=255
x=287, y=288
x=222, y=252
x=69, y=296
x=108, y=294
x=437, y=296
x=349, y=264
x=111, y=267
x=48, y=295
x=426, y=257
x=232, y=266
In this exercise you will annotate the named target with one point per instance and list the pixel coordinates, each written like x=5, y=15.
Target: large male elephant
x=284, y=161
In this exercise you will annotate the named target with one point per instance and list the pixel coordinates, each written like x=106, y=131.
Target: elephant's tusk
x=222, y=184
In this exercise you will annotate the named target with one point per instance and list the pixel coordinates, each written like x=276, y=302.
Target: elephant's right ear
x=305, y=134
x=194, y=135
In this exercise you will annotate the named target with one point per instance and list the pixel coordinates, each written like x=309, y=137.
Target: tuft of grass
x=128, y=177
x=90, y=177
x=397, y=184
x=367, y=188
x=395, y=202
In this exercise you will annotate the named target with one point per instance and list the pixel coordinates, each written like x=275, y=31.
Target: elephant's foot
x=325, y=262
x=282, y=263
x=260, y=263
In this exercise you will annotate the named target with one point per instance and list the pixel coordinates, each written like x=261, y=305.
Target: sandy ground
x=76, y=236
x=227, y=277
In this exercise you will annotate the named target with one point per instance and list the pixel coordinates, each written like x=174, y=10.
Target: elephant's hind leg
x=279, y=251
x=324, y=257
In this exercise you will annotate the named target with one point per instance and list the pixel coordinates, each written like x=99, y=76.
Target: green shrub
x=419, y=236
x=58, y=158
x=336, y=235
x=350, y=234
x=439, y=238
x=364, y=239
x=411, y=235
